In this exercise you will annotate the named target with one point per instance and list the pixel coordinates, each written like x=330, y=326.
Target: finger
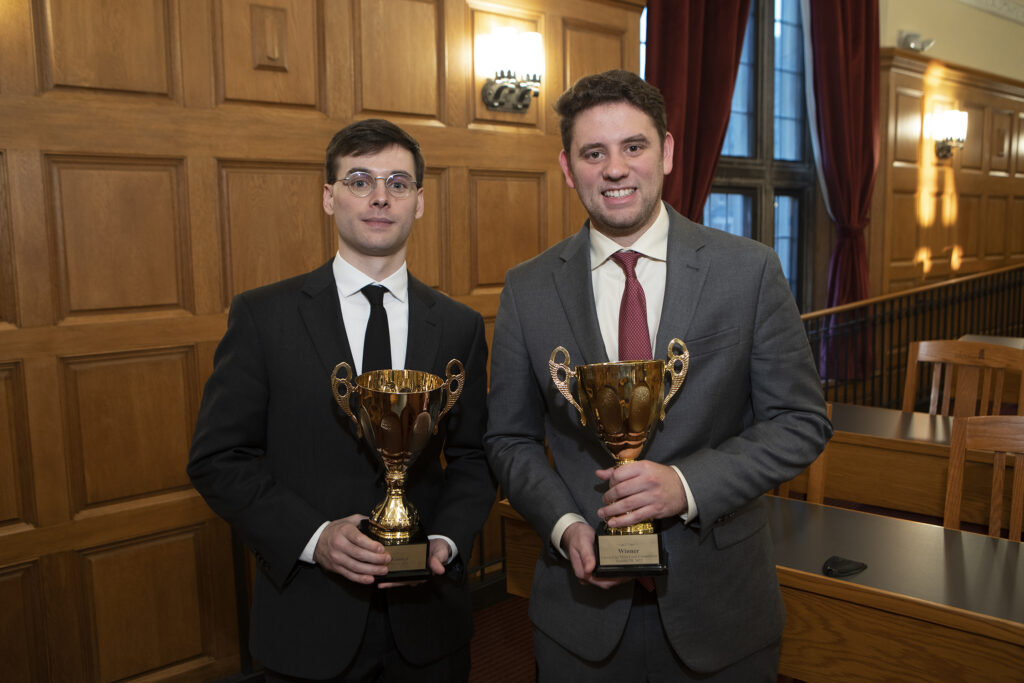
x=605, y=474
x=436, y=565
x=606, y=583
x=398, y=584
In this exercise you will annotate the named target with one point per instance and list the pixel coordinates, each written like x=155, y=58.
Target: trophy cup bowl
x=620, y=403
x=396, y=413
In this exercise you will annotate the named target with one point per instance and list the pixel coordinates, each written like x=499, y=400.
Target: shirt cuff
x=453, y=552
x=560, y=526
x=307, y=552
x=691, y=505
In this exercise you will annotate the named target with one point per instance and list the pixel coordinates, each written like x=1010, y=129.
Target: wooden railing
x=861, y=348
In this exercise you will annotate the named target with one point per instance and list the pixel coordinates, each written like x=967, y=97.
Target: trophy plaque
x=396, y=413
x=620, y=403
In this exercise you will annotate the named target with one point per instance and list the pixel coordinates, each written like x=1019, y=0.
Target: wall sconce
x=513, y=64
x=949, y=130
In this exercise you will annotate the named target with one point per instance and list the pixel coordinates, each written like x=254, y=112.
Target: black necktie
x=377, y=343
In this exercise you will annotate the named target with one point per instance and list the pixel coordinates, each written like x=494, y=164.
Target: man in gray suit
x=749, y=416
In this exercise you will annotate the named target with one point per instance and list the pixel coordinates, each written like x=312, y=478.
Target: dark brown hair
x=611, y=86
x=369, y=137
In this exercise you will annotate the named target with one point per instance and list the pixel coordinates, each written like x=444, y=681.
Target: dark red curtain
x=844, y=71
x=844, y=48
x=693, y=53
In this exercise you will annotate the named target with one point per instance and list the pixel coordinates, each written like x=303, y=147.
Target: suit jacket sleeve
x=227, y=464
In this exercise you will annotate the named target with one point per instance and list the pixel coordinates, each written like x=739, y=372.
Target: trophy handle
x=458, y=378
x=678, y=365
x=563, y=384
x=344, y=398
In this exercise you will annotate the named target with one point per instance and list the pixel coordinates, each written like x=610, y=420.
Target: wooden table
x=892, y=459
x=933, y=605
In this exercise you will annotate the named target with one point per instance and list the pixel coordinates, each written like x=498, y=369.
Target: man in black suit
x=275, y=456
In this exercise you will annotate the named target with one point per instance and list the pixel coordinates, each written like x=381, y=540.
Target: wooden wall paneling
x=408, y=80
x=1018, y=164
x=44, y=407
x=485, y=19
x=972, y=156
x=428, y=253
x=144, y=604
x=338, y=54
x=17, y=501
x=18, y=72
x=98, y=45
x=203, y=175
x=460, y=230
x=34, y=285
x=8, y=312
x=908, y=107
x=121, y=236
x=457, y=43
x=508, y=209
x=969, y=226
x=129, y=423
x=999, y=144
x=273, y=222
x=995, y=227
x=270, y=51
x=22, y=646
x=199, y=81
x=1015, y=234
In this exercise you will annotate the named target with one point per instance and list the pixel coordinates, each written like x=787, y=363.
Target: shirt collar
x=653, y=243
x=351, y=280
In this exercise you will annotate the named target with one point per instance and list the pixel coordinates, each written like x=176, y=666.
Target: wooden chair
x=979, y=368
x=1003, y=435
x=815, y=477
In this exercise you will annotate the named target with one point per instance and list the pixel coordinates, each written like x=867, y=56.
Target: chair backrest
x=815, y=477
x=980, y=370
x=1003, y=436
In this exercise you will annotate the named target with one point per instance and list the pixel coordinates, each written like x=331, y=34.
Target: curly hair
x=616, y=85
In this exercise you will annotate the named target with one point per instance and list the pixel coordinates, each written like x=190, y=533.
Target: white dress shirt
x=355, y=311
x=609, y=281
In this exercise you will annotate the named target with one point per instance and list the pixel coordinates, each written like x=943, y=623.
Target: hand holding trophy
x=398, y=411
x=620, y=403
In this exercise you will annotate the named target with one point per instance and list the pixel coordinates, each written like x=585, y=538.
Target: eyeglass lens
x=361, y=184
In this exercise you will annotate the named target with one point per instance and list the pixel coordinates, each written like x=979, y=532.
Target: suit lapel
x=321, y=312
x=424, y=328
x=576, y=292
x=685, y=275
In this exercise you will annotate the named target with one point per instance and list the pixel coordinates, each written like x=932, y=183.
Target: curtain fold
x=693, y=54
x=842, y=67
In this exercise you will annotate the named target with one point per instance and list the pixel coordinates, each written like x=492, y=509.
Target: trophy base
x=408, y=560
x=629, y=555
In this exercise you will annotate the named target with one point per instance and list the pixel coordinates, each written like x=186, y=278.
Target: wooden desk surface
x=891, y=459
x=933, y=604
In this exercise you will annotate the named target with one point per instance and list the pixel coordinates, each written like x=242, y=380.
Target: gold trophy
x=398, y=411
x=620, y=403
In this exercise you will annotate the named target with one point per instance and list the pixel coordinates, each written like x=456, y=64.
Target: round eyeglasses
x=361, y=184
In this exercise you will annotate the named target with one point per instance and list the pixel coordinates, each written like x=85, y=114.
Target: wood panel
x=129, y=422
x=270, y=51
x=484, y=22
x=962, y=220
x=159, y=156
x=428, y=254
x=144, y=604
x=15, y=460
x=21, y=642
x=274, y=226
x=415, y=72
x=511, y=207
x=7, y=299
x=120, y=233
x=102, y=45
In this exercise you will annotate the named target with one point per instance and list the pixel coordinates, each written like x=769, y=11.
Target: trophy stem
x=394, y=520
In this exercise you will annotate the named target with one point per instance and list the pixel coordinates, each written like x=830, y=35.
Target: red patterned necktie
x=634, y=335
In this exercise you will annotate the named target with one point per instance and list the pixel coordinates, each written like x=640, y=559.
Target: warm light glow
x=957, y=257
x=949, y=125
x=509, y=50
x=924, y=257
x=950, y=201
x=528, y=56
